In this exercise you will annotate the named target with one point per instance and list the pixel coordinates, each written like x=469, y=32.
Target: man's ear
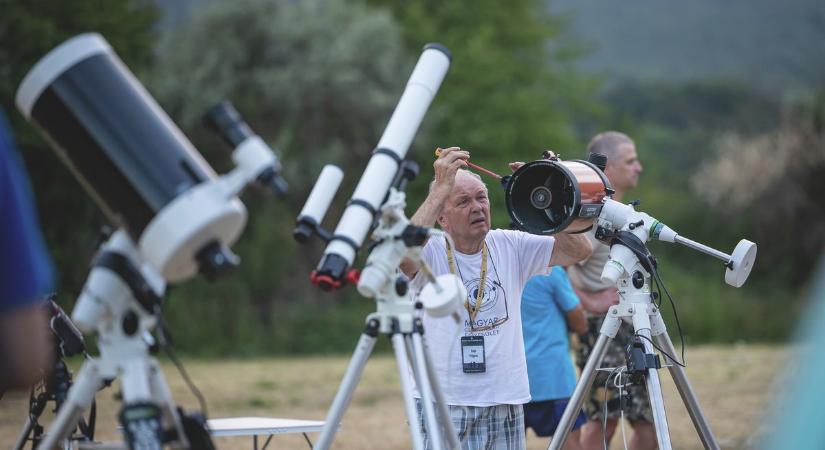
x=441, y=221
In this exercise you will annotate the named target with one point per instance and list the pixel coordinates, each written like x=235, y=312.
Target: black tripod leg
x=36, y=407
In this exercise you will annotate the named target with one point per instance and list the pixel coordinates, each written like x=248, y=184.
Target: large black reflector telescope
x=547, y=196
x=135, y=162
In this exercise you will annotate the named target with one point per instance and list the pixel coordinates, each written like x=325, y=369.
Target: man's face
x=624, y=172
x=466, y=214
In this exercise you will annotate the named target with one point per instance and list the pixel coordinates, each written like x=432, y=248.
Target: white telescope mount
x=120, y=301
x=399, y=317
x=630, y=267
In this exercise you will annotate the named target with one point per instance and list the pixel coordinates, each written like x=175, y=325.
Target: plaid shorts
x=499, y=427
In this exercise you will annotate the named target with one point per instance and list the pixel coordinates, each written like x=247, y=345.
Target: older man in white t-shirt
x=480, y=361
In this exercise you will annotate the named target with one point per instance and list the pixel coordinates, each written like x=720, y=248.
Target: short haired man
x=623, y=170
x=485, y=390
x=549, y=308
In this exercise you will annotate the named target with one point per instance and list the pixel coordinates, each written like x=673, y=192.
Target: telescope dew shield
x=547, y=196
x=372, y=188
x=317, y=204
x=128, y=154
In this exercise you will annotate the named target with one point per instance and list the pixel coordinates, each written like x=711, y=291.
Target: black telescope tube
x=114, y=137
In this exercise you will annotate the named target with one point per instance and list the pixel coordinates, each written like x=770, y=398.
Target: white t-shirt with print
x=514, y=257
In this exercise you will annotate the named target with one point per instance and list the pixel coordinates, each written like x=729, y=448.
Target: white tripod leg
x=610, y=327
x=423, y=380
x=80, y=397
x=163, y=396
x=440, y=401
x=399, y=347
x=641, y=325
x=689, y=397
x=344, y=395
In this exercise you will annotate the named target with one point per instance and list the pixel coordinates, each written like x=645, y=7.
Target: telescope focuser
x=251, y=153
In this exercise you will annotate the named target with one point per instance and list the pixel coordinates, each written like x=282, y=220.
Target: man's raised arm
x=570, y=249
x=445, y=167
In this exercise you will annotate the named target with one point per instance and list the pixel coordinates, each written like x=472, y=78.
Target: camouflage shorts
x=638, y=408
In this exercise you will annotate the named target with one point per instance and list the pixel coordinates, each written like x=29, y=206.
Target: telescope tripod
x=397, y=319
x=120, y=302
x=55, y=387
x=635, y=304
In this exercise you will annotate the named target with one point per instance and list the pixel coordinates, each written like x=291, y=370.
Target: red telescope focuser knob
x=325, y=282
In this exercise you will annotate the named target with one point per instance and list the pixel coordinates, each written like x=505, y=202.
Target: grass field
x=735, y=385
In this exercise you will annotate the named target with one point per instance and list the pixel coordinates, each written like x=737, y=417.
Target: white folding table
x=262, y=426
x=235, y=426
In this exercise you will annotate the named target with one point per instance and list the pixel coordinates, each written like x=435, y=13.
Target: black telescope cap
x=441, y=48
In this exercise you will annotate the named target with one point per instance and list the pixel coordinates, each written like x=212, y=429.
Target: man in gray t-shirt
x=623, y=170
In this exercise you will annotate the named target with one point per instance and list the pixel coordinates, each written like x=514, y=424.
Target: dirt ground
x=734, y=384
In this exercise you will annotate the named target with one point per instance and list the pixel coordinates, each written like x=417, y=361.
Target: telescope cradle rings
x=547, y=196
x=132, y=159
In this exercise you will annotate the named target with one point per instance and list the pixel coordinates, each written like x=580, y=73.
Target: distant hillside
x=778, y=46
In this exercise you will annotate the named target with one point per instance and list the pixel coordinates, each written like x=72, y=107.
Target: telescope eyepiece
x=227, y=122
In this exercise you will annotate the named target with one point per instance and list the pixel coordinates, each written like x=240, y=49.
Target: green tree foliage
x=318, y=80
x=677, y=128
x=510, y=92
x=28, y=30
x=775, y=179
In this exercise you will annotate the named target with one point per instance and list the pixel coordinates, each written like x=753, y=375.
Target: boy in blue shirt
x=549, y=307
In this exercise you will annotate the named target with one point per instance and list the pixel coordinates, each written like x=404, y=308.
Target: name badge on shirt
x=472, y=354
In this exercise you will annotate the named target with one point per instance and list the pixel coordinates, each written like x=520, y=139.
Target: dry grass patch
x=733, y=383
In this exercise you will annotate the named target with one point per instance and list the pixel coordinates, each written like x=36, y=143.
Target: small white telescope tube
x=318, y=202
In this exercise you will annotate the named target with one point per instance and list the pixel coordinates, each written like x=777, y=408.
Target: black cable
x=164, y=341
x=675, y=314
x=660, y=350
x=307, y=439
x=604, y=416
x=659, y=292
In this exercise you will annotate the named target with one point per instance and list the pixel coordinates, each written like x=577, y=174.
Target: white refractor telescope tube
x=372, y=188
x=322, y=194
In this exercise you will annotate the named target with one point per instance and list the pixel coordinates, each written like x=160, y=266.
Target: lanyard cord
x=472, y=311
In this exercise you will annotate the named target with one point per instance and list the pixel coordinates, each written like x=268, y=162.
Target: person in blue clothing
x=549, y=311
x=25, y=275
